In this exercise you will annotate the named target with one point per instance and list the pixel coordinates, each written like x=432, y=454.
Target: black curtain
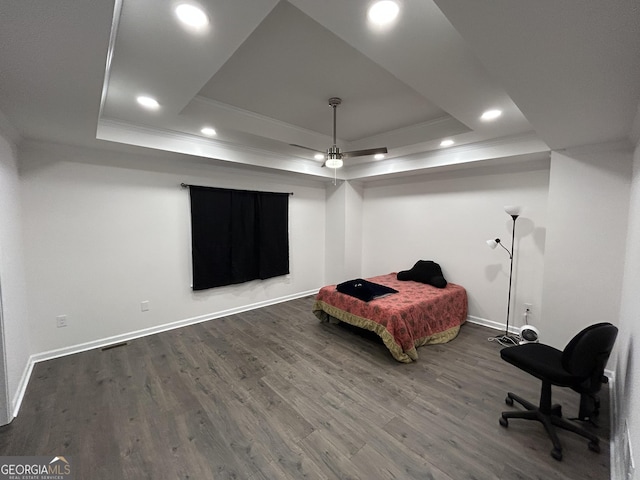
x=237, y=236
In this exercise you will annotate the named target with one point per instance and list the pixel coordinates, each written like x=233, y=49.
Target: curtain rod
x=186, y=185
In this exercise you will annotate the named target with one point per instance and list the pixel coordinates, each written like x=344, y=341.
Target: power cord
x=506, y=340
x=511, y=339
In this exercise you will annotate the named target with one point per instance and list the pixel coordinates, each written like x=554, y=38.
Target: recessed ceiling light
x=319, y=156
x=191, y=16
x=210, y=132
x=383, y=12
x=491, y=114
x=379, y=156
x=148, y=102
x=447, y=142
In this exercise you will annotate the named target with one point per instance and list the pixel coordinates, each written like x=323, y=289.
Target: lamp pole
x=514, y=213
x=513, y=237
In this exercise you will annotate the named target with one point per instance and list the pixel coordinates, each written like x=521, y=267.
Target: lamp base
x=506, y=340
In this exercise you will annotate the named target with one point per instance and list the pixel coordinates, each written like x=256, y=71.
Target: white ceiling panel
x=291, y=65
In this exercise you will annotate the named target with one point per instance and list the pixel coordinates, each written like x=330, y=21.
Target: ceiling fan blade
x=362, y=153
x=306, y=148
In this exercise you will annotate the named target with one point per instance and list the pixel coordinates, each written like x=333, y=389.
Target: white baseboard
x=22, y=388
x=125, y=337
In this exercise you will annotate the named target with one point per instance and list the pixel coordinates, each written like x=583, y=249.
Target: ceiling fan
x=333, y=155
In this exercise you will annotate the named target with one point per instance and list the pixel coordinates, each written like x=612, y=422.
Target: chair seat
x=542, y=361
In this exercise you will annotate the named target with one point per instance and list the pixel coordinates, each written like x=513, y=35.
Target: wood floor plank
x=408, y=462
x=275, y=394
x=313, y=409
x=333, y=463
x=443, y=451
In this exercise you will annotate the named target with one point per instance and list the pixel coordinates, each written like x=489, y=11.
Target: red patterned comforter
x=417, y=315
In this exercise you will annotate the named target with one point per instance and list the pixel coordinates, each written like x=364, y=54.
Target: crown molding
x=624, y=145
x=179, y=142
x=517, y=146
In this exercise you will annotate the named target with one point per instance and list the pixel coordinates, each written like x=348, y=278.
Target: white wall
x=343, y=232
x=353, y=239
x=105, y=231
x=335, y=233
x=12, y=282
x=627, y=382
x=448, y=217
x=587, y=229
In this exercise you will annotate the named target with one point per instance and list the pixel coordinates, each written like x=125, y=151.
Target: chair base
x=550, y=417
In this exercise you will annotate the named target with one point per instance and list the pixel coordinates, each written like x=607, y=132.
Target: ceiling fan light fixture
x=334, y=156
x=333, y=161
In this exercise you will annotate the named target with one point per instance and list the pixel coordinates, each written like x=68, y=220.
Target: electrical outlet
x=61, y=321
x=144, y=306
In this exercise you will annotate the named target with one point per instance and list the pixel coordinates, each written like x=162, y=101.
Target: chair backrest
x=587, y=353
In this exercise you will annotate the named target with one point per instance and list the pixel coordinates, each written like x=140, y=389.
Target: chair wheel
x=504, y=422
x=508, y=401
x=594, y=447
x=557, y=454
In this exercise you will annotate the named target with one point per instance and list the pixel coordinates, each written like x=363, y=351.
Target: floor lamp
x=507, y=338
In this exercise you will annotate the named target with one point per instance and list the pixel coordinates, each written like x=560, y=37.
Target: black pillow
x=425, y=271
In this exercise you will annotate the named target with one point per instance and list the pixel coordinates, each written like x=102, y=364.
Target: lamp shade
x=493, y=243
x=512, y=209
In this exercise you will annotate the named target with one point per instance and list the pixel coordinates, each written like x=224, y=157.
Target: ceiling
x=563, y=73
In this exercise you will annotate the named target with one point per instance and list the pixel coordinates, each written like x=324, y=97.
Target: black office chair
x=580, y=366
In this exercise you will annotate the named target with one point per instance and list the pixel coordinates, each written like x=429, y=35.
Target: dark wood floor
x=275, y=394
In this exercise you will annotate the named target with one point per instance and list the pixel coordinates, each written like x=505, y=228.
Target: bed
x=419, y=314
